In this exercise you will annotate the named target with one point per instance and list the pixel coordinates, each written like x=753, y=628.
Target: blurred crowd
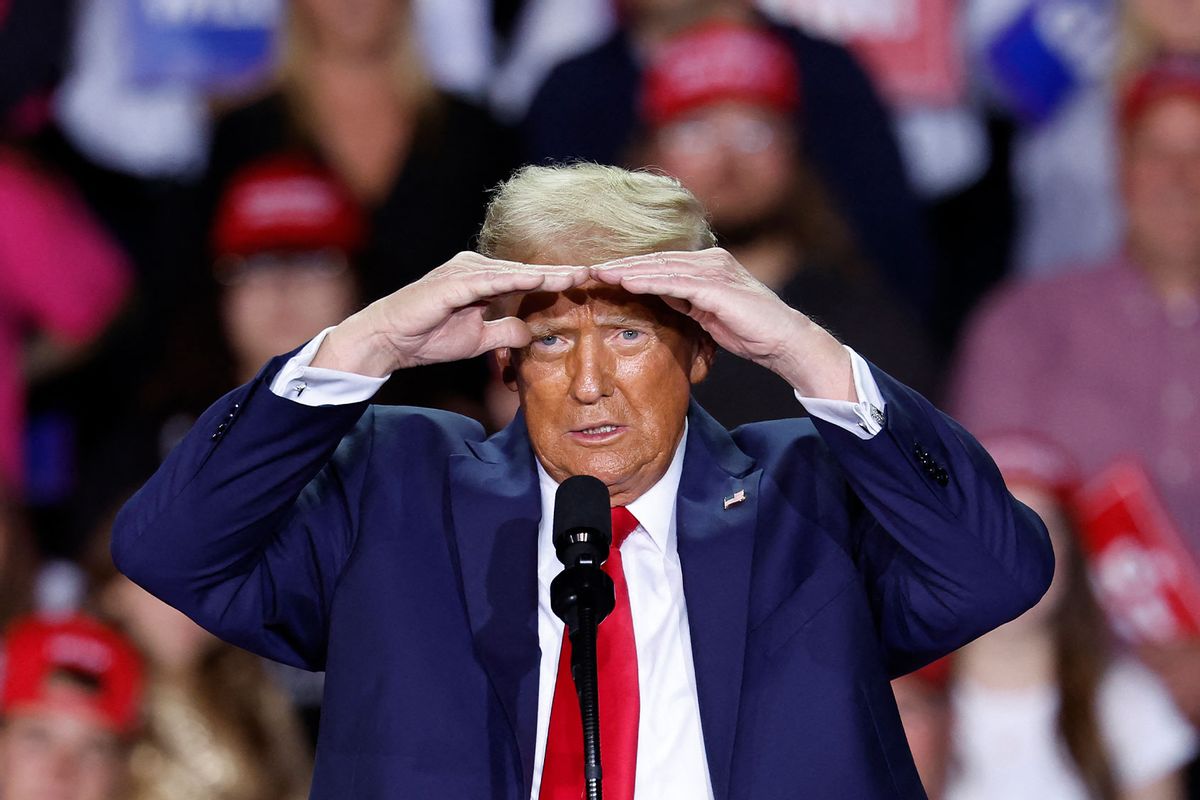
x=996, y=201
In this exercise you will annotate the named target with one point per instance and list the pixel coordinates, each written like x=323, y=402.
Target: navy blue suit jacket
x=396, y=548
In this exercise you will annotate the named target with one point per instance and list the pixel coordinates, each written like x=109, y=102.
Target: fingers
x=682, y=306
x=561, y=281
x=664, y=257
x=488, y=284
x=506, y=332
x=705, y=279
x=683, y=288
x=715, y=264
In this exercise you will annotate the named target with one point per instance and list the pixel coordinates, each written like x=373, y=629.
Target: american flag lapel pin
x=735, y=498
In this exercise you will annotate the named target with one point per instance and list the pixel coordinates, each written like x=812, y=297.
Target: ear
x=505, y=361
x=702, y=360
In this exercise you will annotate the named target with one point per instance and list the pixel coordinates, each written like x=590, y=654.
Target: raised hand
x=741, y=314
x=441, y=317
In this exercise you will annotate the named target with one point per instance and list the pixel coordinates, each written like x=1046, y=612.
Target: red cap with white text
x=286, y=202
x=73, y=664
x=715, y=61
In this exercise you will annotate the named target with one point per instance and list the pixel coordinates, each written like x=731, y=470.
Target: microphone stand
x=582, y=596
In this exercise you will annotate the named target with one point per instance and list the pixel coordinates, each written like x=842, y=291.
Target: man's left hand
x=741, y=314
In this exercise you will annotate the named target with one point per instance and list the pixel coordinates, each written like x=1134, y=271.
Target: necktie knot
x=623, y=524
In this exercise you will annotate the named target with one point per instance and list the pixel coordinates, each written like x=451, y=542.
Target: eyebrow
x=539, y=329
x=549, y=326
x=624, y=321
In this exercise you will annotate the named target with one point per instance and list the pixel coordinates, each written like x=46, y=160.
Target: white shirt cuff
x=317, y=386
x=865, y=418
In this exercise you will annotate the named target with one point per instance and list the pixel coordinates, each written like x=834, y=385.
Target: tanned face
x=605, y=385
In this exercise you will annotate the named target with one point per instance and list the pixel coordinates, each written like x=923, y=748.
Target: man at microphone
x=770, y=581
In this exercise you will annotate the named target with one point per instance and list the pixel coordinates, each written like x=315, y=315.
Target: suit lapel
x=716, y=547
x=495, y=505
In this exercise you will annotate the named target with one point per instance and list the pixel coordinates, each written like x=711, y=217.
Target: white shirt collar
x=655, y=509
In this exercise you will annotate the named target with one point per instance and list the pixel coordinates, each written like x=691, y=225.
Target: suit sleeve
x=946, y=553
x=247, y=524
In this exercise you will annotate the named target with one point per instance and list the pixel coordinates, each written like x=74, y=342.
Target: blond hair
x=299, y=41
x=593, y=211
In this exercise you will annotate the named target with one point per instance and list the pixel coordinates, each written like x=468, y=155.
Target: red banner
x=1145, y=575
x=909, y=46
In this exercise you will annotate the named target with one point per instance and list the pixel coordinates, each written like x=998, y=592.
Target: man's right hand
x=441, y=316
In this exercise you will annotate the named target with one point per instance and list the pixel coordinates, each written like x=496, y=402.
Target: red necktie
x=617, y=675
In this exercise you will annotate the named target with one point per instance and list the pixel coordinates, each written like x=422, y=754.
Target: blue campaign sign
x=210, y=44
x=1048, y=51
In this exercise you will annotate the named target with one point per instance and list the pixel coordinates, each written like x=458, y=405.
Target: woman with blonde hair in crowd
x=1047, y=706
x=353, y=92
x=353, y=95
x=216, y=727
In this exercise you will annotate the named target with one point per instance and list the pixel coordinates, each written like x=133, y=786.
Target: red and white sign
x=1145, y=575
x=908, y=46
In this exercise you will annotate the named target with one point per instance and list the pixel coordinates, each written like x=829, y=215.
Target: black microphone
x=582, y=521
x=582, y=537
x=581, y=596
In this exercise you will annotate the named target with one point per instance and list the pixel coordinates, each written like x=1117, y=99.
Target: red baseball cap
x=1171, y=76
x=286, y=202
x=719, y=60
x=75, y=664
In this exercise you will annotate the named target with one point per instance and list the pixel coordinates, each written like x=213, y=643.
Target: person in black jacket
x=587, y=109
x=717, y=111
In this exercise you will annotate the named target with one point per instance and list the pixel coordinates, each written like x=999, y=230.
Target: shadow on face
x=605, y=384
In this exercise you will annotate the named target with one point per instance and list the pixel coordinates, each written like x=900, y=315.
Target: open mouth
x=598, y=429
x=598, y=433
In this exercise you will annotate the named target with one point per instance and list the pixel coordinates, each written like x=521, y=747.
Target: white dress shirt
x=671, y=761
x=670, y=757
